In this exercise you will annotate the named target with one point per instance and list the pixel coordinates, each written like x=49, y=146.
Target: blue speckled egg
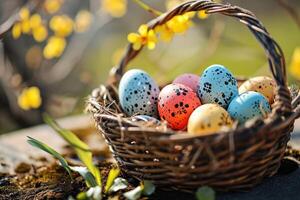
x=248, y=105
x=138, y=93
x=217, y=85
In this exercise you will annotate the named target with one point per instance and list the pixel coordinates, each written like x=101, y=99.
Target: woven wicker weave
x=234, y=160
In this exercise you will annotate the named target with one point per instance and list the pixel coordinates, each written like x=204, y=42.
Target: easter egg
x=262, y=84
x=248, y=105
x=217, y=85
x=190, y=80
x=176, y=102
x=138, y=93
x=208, y=119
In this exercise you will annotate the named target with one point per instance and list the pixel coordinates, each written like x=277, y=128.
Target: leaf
x=205, y=193
x=51, y=151
x=94, y=193
x=149, y=188
x=87, y=175
x=119, y=184
x=82, y=149
x=134, y=194
x=112, y=175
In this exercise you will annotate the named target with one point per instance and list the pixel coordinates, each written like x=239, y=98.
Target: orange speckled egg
x=262, y=84
x=208, y=119
x=176, y=102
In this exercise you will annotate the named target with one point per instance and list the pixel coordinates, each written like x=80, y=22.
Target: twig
x=147, y=8
x=292, y=12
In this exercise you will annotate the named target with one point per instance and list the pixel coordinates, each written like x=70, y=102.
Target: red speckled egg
x=190, y=80
x=176, y=102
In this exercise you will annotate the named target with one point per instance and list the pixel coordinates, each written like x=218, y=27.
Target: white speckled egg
x=262, y=84
x=217, y=85
x=138, y=93
x=190, y=80
x=248, y=105
x=208, y=119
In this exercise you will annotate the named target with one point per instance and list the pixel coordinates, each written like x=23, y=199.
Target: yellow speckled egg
x=208, y=119
x=262, y=84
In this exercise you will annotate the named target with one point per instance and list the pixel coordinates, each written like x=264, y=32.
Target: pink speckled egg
x=190, y=80
x=176, y=102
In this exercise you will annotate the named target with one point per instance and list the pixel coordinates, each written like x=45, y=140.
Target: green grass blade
x=82, y=149
x=112, y=175
x=40, y=145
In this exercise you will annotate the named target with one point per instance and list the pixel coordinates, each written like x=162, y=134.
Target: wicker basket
x=235, y=160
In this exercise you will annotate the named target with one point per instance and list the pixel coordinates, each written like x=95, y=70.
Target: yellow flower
x=295, y=64
x=202, y=14
x=143, y=37
x=24, y=13
x=116, y=8
x=180, y=23
x=52, y=6
x=177, y=25
x=165, y=33
x=83, y=21
x=40, y=33
x=16, y=30
x=62, y=25
x=35, y=21
x=54, y=47
x=30, y=98
x=25, y=26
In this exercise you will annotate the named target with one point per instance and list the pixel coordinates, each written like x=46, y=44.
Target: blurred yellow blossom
x=143, y=37
x=16, y=30
x=24, y=13
x=40, y=33
x=83, y=21
x=116, y=8
x=62, y=25
x=35, y=21
x=54, y=47
x=52, y=6
x=30, y=98
x=25, y=26
x=295, y=64
x=202, y=14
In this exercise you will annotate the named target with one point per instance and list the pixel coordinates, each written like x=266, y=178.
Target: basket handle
x=272, y=49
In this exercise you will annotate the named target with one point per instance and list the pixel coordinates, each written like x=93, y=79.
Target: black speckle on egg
x=186, y=105
x=173, y=114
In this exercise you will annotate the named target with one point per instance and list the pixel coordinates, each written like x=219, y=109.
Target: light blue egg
x=138, y=93
x=217, y=85
x=248, y=105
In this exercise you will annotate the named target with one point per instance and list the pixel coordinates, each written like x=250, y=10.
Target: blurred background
x=54, y=52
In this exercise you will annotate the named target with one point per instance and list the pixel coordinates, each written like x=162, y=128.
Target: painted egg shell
x=190, y=80
x=208, y=119
x=248, y=105
x=262, y=84
x=217, y=85
x=176, y=103
x=138, y=93
x=147, y=119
